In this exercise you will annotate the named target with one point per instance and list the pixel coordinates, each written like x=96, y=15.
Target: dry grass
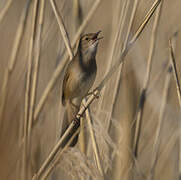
x=146, y=81
x=40, y=39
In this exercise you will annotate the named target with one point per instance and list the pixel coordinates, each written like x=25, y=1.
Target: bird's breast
x=80, y=82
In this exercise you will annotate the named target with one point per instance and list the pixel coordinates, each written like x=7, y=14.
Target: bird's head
x=88, y=43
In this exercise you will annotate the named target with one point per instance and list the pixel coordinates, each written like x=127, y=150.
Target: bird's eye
x=86, y=38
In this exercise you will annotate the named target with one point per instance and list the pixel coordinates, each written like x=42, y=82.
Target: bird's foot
x=95, y=93
x=76, y=120
x=78, y=116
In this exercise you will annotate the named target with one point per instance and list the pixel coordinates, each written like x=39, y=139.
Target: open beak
x=96, y=38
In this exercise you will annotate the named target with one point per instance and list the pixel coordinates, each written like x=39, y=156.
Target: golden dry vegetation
x=132, y=131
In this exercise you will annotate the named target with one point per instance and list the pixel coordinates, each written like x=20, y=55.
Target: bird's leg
x=82, y=104
x=76, y=120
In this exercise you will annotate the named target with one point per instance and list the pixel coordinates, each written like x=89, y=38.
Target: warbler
x=78, y=79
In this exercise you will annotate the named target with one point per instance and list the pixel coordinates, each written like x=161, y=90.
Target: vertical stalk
x=160, y=124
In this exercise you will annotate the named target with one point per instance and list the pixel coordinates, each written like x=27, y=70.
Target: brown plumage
x=79, y=78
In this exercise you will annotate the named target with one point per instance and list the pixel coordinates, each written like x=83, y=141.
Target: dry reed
x=28, y=108
x=142, y=99
x=157, y=141
x=96, y=92
x=175, y=71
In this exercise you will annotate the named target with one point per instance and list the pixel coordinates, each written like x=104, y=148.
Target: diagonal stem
x=5, y=9
x=175, y=71
x=62, y=28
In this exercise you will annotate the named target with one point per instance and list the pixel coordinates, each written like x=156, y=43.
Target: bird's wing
x=66, y=77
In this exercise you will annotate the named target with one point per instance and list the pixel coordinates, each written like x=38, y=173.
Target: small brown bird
x=79, y=78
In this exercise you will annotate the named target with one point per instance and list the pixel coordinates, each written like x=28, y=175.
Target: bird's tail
x=69, y=115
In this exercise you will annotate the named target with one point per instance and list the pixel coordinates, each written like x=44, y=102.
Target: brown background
x=115, y=142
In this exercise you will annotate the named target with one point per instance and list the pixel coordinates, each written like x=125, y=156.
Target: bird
x=79, y=77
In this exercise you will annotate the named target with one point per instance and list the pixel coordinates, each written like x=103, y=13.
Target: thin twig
x=97, y=90
x=93, y=140
x=30, y=64
x=160, y=124
x=138, y=119
x=175, y=72
x=62, y=64
x=62, y=28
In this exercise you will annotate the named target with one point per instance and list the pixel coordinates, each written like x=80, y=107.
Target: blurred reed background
x=135, y=129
